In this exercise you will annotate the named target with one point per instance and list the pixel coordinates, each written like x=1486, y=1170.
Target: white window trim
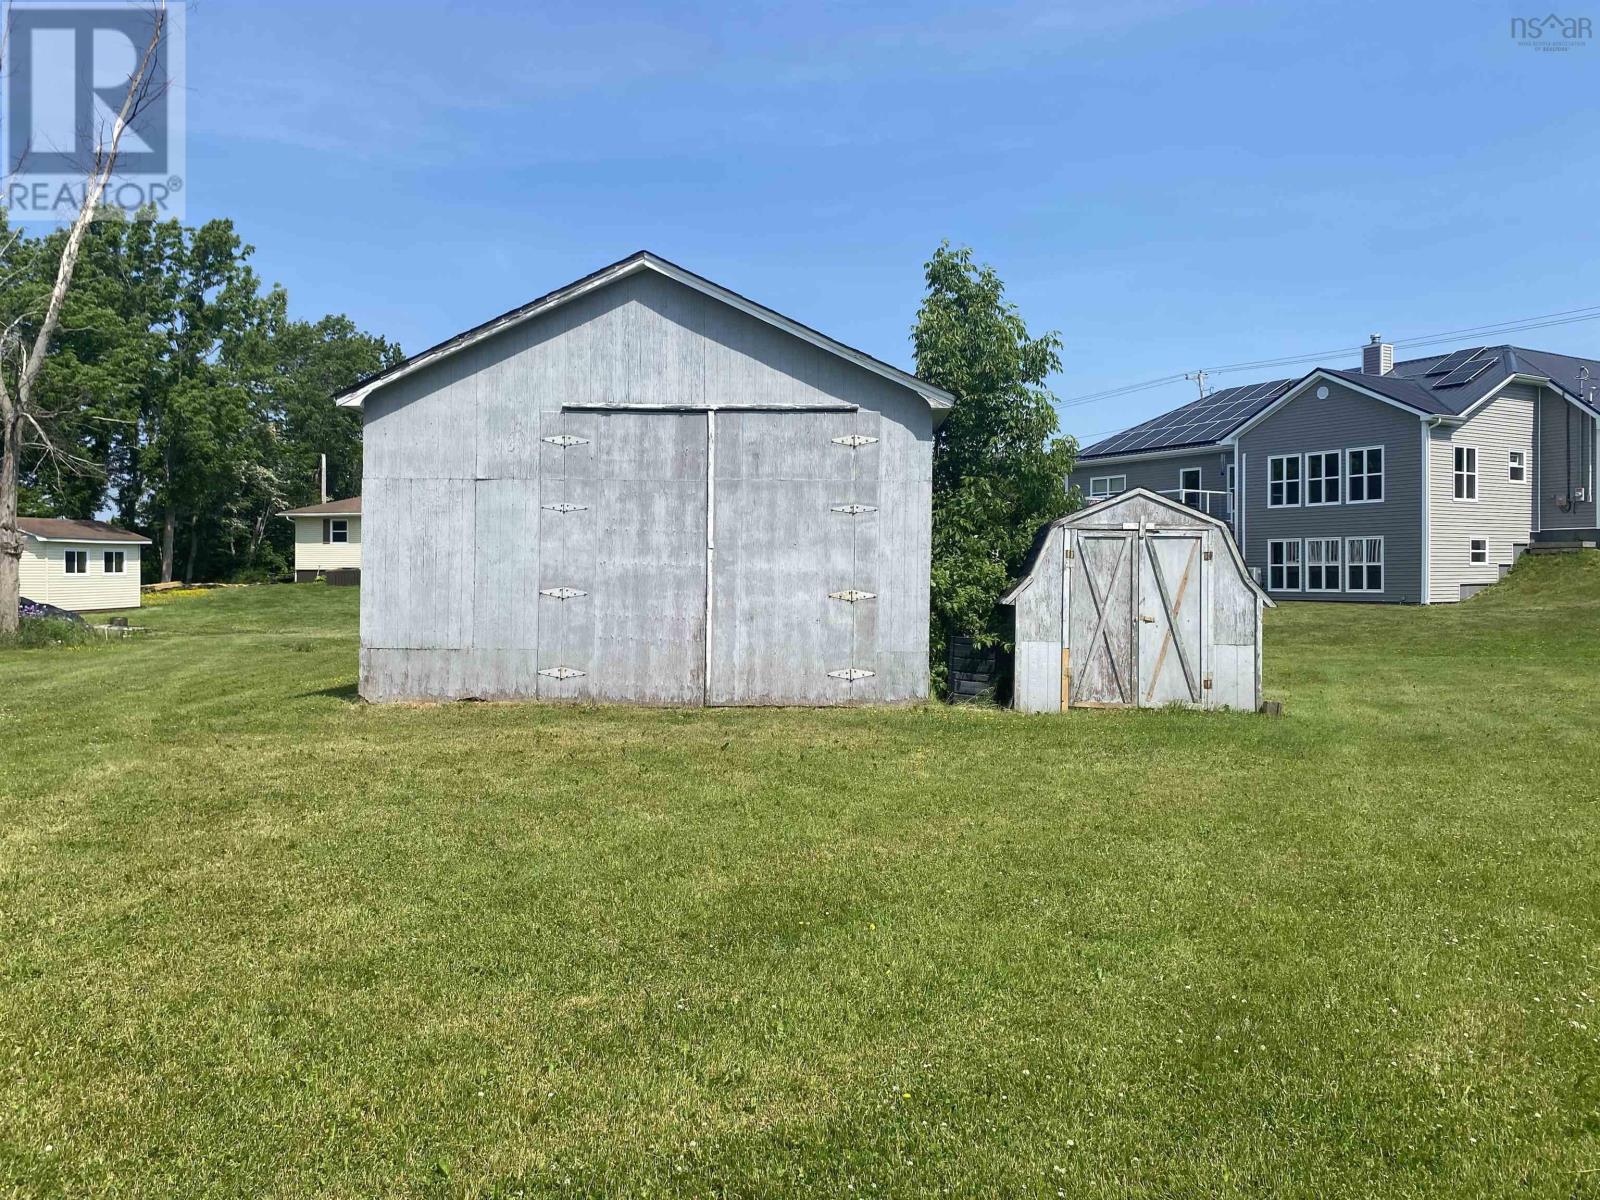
x=1471, y=551
x=68, y=556
x=337, y=526
x=1096, y=480
x=1516, y=460
x=1305, y=566
x=1381, y=563
x=1299, y=563
x=1383, y=472
x=1472, y=474
x=1300, y=484
x=122, y=562
x=1305, y=477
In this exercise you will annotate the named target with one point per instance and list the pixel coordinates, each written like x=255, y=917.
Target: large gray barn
x=646, y=488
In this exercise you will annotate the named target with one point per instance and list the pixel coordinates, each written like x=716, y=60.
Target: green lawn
x=258, y=939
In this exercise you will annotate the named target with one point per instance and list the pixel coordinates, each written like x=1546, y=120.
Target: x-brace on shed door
x=1134, y=602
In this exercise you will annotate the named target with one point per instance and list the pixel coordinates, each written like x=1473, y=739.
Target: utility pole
x=1199, y=378
x=322, y=478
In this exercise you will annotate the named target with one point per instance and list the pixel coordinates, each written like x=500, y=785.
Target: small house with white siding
x=81, y=566
x=327, y=537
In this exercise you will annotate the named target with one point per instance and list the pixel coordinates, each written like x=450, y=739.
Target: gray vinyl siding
x=1346, y=420
x=1502, y=514
x=1159, y=474
x=1566, y=458
x=462, y=541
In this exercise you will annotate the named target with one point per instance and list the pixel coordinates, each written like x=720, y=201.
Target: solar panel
x=1451, y=361
x=1468, y=371
x=1200, y=421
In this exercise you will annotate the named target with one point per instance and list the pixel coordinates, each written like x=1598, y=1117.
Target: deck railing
x=1213, y=504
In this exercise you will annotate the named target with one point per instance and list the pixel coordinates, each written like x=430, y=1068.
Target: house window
x=1283, y=481
x=1466, y=472
x=116, y=561
x=1516, y=465
x=1322, y=564
x=1478, y=550
x=1189, y=487
x=1103, y=486
x=1364, y=475
x=1364, y=565
x=1322, y=478
x=1283, y=566
x=334, y=531
x=77, y=562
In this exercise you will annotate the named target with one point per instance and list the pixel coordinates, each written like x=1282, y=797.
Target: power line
x=1565, y=317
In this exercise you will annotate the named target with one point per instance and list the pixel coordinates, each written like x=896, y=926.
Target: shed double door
x=1134, y=603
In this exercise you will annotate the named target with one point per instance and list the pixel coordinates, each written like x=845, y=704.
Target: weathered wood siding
x=1055, y=615
x=471, y=518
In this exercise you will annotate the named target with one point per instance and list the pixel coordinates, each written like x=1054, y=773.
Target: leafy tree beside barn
x=999, y=470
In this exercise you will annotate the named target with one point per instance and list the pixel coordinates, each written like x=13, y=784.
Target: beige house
x=327, y=537
x=81, y=566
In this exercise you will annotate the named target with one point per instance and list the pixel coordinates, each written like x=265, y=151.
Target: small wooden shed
x=1137, y=601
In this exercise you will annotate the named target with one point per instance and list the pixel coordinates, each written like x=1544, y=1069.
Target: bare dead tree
x=25, y=424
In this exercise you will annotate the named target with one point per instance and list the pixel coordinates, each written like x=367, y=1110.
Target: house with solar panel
x=1410, y=482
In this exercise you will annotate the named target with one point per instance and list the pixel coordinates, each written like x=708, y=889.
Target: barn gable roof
x=1100, y=508
x=937, y=398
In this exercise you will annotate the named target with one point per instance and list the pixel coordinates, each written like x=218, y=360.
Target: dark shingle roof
x=61, y=529
x=333, y=508
x=1441, y=385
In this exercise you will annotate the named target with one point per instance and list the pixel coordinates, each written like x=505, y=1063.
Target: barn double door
x=709, y=558
x=1134, y=603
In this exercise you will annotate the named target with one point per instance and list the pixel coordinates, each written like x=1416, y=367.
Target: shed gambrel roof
x=643, y=260
x=1442, y=385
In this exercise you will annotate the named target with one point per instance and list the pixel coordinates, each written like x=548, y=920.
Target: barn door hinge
x=854, y=441
x=564, y=507
x=851, y=674
x=562, y=593
x=853, y=510
x=1207, y=555
x=1071, y=553
x=562, y=672
x=1205, y=682
x=566, y=439
x=850, y=596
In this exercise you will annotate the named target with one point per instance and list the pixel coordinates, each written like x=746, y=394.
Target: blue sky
x=1167, y=184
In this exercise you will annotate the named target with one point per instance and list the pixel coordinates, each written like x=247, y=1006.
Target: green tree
x=999, y=470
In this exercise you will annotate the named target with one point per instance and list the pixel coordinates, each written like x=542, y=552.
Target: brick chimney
x=1377, y=357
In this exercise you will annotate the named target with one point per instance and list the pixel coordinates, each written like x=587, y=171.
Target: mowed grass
x=259, y=939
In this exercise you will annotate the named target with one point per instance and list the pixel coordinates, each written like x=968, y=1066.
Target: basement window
x=1364, y=563
x=1516, y=465
x=1283, y=566
x=1466, y=472
x=77, y=562
x=116, y=562
x=1322, y=564
x=1478, y=550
